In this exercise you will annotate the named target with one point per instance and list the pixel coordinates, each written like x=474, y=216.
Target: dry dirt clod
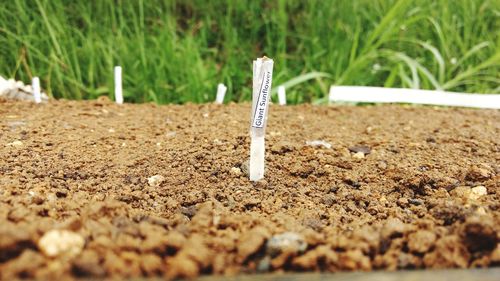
x=421, y=241
x=461, y=192
x=61, y=243
x=495, y=255
x=414, y=203
x=393, y=227
x=480, y=233
x=479, y=173
x=282, y=147
x=251, y=242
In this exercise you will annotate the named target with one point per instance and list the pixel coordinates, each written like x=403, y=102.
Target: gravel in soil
x=93, y=189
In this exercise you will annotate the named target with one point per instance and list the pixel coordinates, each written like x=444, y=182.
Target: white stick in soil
x=262, y=81
x=392, y=95
x=118, y=85
x=36, y=90
x=221, y=93
x=281, y=95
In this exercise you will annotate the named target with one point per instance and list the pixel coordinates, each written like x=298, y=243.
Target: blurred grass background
x=177, y=51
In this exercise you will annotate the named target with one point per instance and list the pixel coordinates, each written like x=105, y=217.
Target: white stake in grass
x=262, y=80
x=221, y=92
x=36, y=90
x=392, y=95
x=118, y=85
x=281, y=95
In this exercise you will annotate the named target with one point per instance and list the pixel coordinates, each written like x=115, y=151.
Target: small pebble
x=416, y=202
x=287, y=241
x=155, y=180
x=402, y=202
x=383, y=200
x=480, y=211
x=189, y=211
x=382, y=165
x=236, y=171
x=61, y=243
x=171, y=134
x=319, y=143
x=37, y=200
x=360, y=148
x=61, y=193
x=358, y=155
x=477, y=192
x=15, y=143
x=414, y=144
x=430, y=140
x=15, y=124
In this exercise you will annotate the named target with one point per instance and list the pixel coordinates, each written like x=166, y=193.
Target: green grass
x=177, y=51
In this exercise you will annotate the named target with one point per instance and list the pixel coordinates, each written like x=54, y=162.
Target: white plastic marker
x=281, y=95
x=221, y=92
x=388, y=95
x=262, y=80
x=36, y=89
x=118, y=85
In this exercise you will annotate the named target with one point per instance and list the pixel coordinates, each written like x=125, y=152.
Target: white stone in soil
x=358, y=155
x=236, y=171
x=287, y=241
x=61, y=243
x=15, y=143
x=155, y=180
x=319, y=143
x=477, y=192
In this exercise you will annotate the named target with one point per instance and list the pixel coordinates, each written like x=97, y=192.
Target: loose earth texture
x=97, y=189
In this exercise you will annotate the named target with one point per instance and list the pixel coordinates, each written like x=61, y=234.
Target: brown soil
x=408, y=203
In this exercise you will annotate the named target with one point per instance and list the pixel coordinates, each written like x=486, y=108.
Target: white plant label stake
x=281, y=95
x=393, y=95
x=262, y=80
x=118, y=85
x=36, y=90
x=221, y=92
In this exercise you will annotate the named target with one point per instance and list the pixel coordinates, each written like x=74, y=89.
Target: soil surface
x=93, y=189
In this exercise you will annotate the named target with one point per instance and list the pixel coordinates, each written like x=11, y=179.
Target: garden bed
x=146, y=190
